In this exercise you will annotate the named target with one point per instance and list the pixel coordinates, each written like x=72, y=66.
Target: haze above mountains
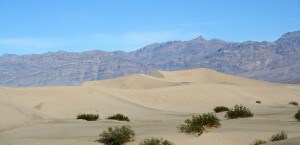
x=277, y=61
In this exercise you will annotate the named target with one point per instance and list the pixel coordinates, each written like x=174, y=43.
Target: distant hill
x=277, y=61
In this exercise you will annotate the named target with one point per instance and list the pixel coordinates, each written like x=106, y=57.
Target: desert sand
x=155, y=103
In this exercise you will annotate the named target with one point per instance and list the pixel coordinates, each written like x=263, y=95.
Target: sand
x=155, y=103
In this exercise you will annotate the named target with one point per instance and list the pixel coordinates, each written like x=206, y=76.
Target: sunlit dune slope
x=139, y=81
x=188, y=91
x=204, y=76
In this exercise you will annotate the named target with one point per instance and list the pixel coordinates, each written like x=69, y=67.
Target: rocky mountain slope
x=277, y=61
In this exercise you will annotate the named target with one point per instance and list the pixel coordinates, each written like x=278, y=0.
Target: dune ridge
x=205, y=76
x=139, y=81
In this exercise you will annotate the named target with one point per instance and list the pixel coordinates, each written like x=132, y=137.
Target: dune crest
x=160, y=79
x=139, y=81
x=204, y=76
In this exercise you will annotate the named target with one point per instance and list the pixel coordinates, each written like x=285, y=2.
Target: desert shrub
x=221, y=109
x=88, y=117
x=198, y=123
x=117, y=136
x=191, y=128
x=119, y=117
x=279, y=136
x=258, y=102
x=276, y=137
x=297, y=115
x=239, y=111
x=258, y=142
x=156, y=141
x=293, y=103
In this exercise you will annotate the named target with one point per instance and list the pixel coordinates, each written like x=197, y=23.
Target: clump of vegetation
x=191, y=128
x=198, y=123
x=258, y=142
x=276, y=137
x=221, y=109
x=293, y=103
x=239, y=111
x=258, y=102
x=279, y=136
x=117, y=136
x=156, y=141
x=297, y=115
x=119, y=117
x=88, y=117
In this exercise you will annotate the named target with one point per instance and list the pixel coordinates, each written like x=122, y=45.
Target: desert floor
x=155, y=103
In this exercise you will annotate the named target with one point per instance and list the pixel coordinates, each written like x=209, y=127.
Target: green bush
x=297, y=115
x=119, y=117
x=156, y=141
x=239, y=111
x=191, y=128
x=117, y=136
x=293, y=103
x=221, y=109
x=258, y=102
x=88, y=117
x=279, y=136
x=258, y=142
x=198, y=123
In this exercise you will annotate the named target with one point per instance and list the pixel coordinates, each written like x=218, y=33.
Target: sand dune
x=139, y=81
x=204, y=76
x=156, y=104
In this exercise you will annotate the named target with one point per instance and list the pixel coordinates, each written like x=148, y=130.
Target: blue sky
x=39, y=26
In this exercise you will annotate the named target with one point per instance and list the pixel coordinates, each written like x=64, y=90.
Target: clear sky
x=38, y=26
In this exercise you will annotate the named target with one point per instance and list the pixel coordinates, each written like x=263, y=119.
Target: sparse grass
x=258, y=102
x=156, y=141
x=221, y=109
x=293, y=103
x=258, y=142
x=297, y=115
x=276, y=137
x=198, y=123
x=119, y=117
x=117, y=136
x=88, y=117
x=239, y=111
x=279, y=136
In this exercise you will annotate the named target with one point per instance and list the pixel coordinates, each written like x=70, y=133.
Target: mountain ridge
x=276, y=61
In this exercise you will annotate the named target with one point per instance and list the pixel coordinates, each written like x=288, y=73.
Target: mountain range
x=277, y=61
